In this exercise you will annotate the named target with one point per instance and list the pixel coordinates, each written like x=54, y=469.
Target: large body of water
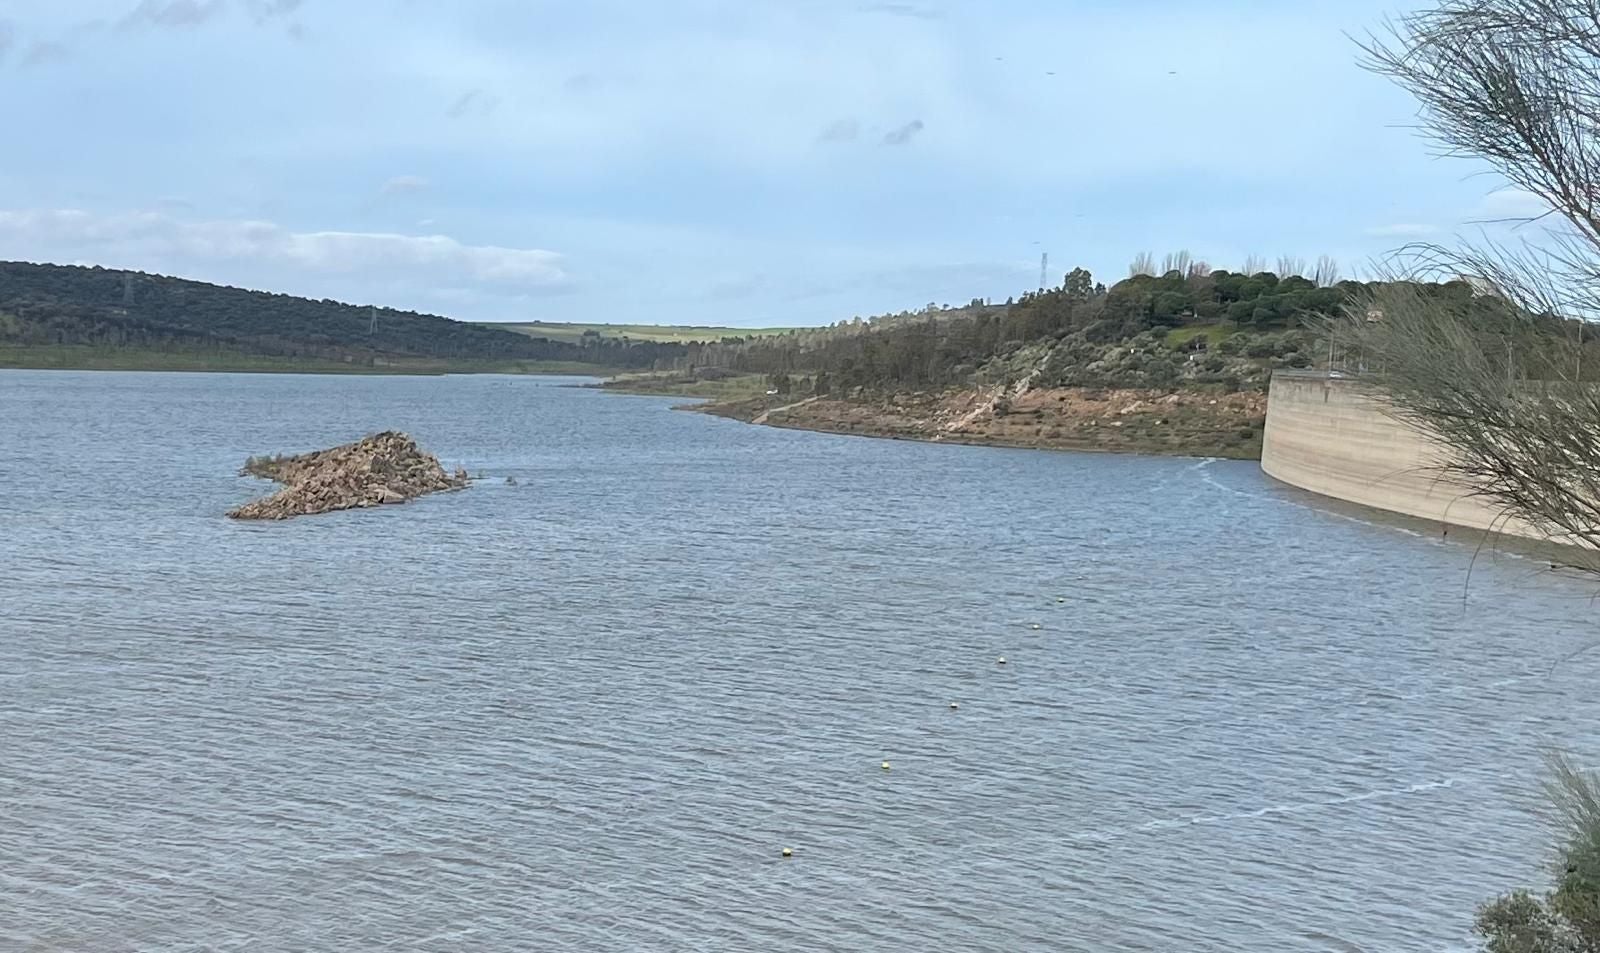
x=588, y=710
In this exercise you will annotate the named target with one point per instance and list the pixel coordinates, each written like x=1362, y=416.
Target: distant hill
x=651, y=333
x=62, y=306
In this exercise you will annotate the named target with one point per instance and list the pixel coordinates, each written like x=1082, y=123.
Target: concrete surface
x=1327, y=436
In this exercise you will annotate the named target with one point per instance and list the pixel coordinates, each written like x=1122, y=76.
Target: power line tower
x=372, y=323
x=127, y=289
x=1044, y=269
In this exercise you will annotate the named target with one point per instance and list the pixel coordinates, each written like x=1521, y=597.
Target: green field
x=669, y=384
x=1213, y=333
x=74, y=358
x=573, y=333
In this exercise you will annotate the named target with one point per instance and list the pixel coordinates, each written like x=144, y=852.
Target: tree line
x=1268, y=318
x=70, y=305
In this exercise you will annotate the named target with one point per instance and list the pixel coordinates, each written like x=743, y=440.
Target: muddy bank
x=385, y=468
x=1189, y=423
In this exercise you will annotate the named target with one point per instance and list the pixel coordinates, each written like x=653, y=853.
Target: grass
x=741, y=387
x=1213, y=333
x=78, y=358
x=566, y=368
x=654, y=333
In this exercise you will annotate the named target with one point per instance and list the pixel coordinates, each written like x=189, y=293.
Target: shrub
x=1567, y=920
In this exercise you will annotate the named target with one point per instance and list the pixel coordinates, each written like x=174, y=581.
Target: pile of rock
x=384, y=468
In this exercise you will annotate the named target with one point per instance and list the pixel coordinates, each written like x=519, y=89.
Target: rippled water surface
x=588, y=710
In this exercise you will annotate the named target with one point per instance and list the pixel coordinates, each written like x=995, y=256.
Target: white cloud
x=157, y=241
x=1403, y=230
x=402, y=184
x=357, y=251
x=172, y=13
x=1510, y=203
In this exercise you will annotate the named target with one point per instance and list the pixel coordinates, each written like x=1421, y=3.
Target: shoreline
x=1081, y=420
x=24, y=359
x=981, y=441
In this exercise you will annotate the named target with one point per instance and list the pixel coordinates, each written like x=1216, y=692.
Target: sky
x=728, y=162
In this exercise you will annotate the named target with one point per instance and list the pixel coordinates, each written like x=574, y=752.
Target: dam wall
x=1326, y=435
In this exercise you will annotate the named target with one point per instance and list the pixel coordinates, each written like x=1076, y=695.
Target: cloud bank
x=144, y=240
x=856, y=156
x=171, y=13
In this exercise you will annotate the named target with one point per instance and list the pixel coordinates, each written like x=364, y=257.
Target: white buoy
x=954, y=706
x=1000, y=661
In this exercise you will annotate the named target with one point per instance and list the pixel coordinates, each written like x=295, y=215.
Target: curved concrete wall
x=1326, y=436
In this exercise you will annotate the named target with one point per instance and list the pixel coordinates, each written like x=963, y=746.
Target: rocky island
x=384, y=468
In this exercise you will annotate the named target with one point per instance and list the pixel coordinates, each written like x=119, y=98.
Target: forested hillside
x=59, y=305
x=1172, y=363
x=1186, y=327
x=1194, y=327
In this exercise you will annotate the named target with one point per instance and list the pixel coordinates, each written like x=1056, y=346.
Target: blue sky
x=703, y=161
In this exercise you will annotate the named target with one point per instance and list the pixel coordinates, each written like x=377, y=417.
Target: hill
x=1081, y=334
x=578, y=333
x=1174, y=363
x=61, y=315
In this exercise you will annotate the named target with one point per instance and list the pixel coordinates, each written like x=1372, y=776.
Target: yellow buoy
x=886, y=766
x=787, y=852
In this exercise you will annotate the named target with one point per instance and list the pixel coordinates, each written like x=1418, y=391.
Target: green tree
x=1567, y=919
x=1079, y=283
x=1168, y=307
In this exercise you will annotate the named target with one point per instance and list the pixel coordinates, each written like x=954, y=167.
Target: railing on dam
x=1313, y=374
